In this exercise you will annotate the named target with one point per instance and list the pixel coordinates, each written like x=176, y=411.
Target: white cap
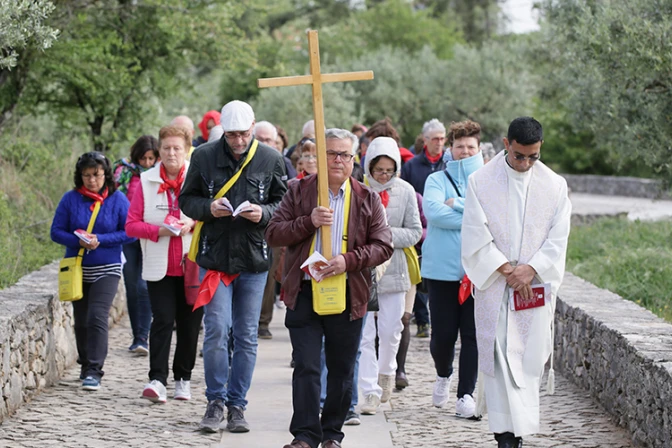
x=236, y=116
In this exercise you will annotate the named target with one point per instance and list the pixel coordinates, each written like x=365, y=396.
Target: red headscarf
x=203, y=125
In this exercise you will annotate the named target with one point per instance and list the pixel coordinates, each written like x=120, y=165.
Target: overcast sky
x=521, y=17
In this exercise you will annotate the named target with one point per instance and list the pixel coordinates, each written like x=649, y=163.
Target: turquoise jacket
x=441, y=251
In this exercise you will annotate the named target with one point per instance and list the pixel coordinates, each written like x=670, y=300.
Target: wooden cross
x=316, y=79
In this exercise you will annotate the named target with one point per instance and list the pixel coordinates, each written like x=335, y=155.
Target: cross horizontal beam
x=308, y=79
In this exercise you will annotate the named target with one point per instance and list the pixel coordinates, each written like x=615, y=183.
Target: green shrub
x=631, y=259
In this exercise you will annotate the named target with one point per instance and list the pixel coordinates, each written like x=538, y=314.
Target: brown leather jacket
x=291, y=226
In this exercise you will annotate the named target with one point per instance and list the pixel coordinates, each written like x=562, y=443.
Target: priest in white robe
x=514, y=234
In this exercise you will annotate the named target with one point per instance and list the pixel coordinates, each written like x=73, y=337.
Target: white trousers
x=389, y=335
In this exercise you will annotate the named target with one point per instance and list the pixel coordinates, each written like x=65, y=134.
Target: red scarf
x=95, y=196
x=433, y=159
x=301, y=175
x=210, y=284
x=384, y=198
x=171, y=184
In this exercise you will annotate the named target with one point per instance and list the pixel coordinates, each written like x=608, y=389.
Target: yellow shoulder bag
x=196, y=236
x=413, y=265
x=329, y=294
x=70, y=274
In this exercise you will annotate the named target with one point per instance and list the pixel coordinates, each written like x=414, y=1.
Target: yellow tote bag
x=413, y=265
x=196, y=236
x=329, y=294
x=70, y=275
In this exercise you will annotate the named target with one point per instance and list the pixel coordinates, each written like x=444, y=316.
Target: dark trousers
x=449, y=317
x=137, y=297
x=341, y=342
x=420, y=309
x=91, y=332
x=169, y=307
x=269, y=292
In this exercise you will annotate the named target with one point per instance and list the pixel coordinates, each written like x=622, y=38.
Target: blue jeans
x=323, y=375
x=137, y=297
x=235, y=307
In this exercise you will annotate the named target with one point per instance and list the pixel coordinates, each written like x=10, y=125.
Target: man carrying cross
x=232, y=254
x=360, y=240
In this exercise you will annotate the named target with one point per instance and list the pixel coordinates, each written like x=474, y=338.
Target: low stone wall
x=620, y=353
x=617, y=186
x=37, y=339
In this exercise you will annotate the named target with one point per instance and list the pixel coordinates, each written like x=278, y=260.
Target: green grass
x=631, y=259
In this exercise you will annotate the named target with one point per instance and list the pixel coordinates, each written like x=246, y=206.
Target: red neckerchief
x=171, y=184
x=432, y=159
x=301, y=175
x=384, y=198
x=95, y=196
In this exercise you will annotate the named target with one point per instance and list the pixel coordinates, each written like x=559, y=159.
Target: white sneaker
x=371, y=403
x=386, y=382
x=441, y=391
x=465, y=407
x=155, y=392
x=182, y=390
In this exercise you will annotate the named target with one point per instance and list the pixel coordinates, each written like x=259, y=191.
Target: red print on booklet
x=540, y=294
x=173, y=224
x=83, y=235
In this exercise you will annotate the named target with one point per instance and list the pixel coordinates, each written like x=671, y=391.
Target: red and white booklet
x=83, y=235
x=173, y=224
x=541, y=293
x=314, y=264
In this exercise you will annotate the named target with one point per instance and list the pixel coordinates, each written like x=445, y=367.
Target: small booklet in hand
x=224, y=204
x=541, y=293
x=172, y=223
x=313, y=265
x=83, y=235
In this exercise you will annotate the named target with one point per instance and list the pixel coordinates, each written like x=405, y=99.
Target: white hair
x=183, y=120
x=342, y=134
x=488, y=151
x=268, y=126
x=308, y=129
x=432, y=125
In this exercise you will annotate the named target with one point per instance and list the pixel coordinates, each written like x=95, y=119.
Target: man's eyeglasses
x=345, y=156
x=388, y=173
x=521, y=158
x=237, y=135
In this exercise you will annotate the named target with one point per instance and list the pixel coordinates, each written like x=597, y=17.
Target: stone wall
x=616, y=186
x=620, y=353
x=37, y=340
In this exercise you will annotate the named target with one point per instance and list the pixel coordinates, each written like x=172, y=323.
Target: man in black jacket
x=232, y=254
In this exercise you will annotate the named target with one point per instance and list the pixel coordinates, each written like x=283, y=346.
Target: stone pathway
x=635, y=208
x=66, y=416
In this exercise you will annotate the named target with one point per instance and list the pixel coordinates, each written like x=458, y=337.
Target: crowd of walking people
x=212, y=231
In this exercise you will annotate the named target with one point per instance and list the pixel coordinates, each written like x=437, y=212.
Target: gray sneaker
x=214, y=416
x=236, y=420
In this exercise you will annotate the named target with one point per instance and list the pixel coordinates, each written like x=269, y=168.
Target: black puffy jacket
x=233, y=245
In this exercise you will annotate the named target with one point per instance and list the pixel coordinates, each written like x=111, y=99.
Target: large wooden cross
x=316, y=79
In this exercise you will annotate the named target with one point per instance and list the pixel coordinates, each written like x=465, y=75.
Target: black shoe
x=214, y=416
x=508, y=440
x=352, y=419
x=264, y=333
x=400, y=381
x=236, y=420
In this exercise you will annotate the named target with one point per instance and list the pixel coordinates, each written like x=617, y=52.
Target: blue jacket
x=441, y=251
x=74, y=212
x=416, y=170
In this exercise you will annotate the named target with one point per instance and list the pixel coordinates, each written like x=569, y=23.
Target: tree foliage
x=614, y=63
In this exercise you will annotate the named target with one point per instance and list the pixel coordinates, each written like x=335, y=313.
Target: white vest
x=155, y=255
x=491, y=190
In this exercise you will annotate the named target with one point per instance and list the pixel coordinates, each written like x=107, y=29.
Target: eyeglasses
x=310, y=156
x=92, y=155
x=237, y=135
x=521, y=158
x=93, y=176
x=437, y=139
x=345, y=156
x=389, y=173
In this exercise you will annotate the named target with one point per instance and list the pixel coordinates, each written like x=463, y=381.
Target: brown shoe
x=297, y=444
x=331, y=444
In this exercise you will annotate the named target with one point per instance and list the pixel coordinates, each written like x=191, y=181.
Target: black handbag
x=373, y=292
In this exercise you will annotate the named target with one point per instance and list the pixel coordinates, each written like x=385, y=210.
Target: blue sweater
x=441, y=250
x=74, y=212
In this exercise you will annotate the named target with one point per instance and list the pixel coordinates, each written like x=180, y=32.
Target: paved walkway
x=66, y=416
x=635, y=208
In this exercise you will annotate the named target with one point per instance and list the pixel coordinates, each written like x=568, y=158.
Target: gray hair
x=342, y=134
x=308, y=129
x=432, y=125
x=488, y=151
x=183, y=120
x=268, y=126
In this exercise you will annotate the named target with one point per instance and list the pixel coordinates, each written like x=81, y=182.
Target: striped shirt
x=92, y=274
x=336, y=203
